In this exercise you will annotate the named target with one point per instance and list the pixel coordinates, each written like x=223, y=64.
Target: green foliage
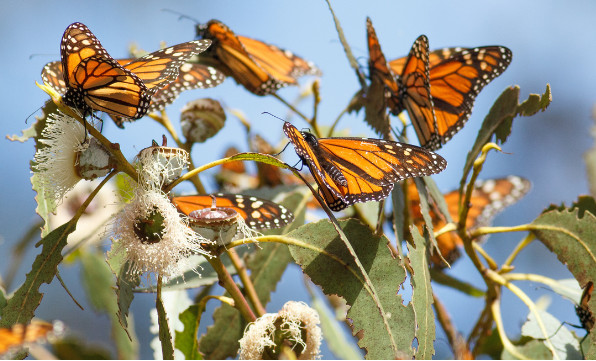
x=266, y=268
x=21, y=307
x=167, y=347
x=325, y=259
x=125, y=284
x=499, y=120
x=341, y=347
x=422, y=295
x=571, y=234
x=186, y=340
x=565, y=343
x=98, y=281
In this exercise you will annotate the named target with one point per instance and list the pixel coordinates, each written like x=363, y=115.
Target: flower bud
x=201, y=119
x=161, y=165
x=94, y=161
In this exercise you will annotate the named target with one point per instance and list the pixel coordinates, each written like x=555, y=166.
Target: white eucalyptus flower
x=295, y=322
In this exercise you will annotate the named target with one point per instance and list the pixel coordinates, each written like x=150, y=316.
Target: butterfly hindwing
x=258, y=213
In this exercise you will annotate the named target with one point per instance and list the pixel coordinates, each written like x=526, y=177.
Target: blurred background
x=549, y=41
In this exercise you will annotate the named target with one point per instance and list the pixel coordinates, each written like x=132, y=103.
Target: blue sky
x=551, y=43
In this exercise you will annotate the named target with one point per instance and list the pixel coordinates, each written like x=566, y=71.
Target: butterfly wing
x=281, y=64
x=95, y=81
x=583, y=311
x=161, y=68
x=258, y=213
x=52, y=75
x=383, y=90
x=456, y=77
x=260, y=67
x=416, y=94
x=489, y=197
x=351, y=170
x=20, y=334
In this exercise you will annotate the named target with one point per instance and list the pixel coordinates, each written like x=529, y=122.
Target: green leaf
x=266, y=266
x=564, y=342
x=186, y=340
x=2, y=298
x=167, y=347
x=532, y=350
x=75, y=349
x=569, y=233
x=21, y=307
x=325, y=258
x=422, y=295
x=341, y=347
x=369, y=212
x=98, y=281
x=259, y=157
x=499, y=120
x=221, y=339
x=125, y=284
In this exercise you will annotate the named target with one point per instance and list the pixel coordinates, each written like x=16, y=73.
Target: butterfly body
x=94, y=81
x=260, y=67
x=350, y=170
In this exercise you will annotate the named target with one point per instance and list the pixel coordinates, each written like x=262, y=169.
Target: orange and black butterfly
x=260, y=67
x=94, y=81
x=351, y=170
x=258, y=213
x=20, y=335
x=586, y=316
x=192, y=76
x=407, y=88
x=489, y=197
x=457, y=75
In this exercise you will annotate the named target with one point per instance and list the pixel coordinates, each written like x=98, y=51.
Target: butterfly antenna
x=181, y=16
x=274, y=116
x=35, y=111
x=40, y=54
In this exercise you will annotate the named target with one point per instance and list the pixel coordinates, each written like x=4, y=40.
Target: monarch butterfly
x=409, y=88
x=583, y=311
x=260, y=67
x=457, y=75
x=20, y=334
x=192, y=76
x=489, y=197
x=95, y=81
x=351, y=170
x=258, y=213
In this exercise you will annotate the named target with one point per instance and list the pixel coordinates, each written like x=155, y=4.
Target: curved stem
x=520, y=246
x=249, y=286
x=315, y=129
x=529, y=303
x=489, y=260
x=496, y=312
x=228, y=283
x=337, y=121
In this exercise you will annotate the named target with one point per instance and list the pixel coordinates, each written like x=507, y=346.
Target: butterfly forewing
x=368, y=167
x=258, y=213
x=260, y=67
x=457, y=75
